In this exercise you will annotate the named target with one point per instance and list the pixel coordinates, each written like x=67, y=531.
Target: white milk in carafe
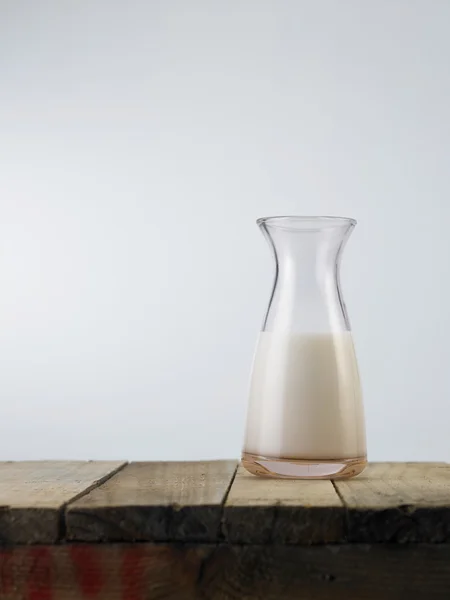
x=305, y=398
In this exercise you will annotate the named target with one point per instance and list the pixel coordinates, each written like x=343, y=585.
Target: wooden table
x=208, y=530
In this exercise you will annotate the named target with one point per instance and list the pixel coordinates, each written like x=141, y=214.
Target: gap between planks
x=161, y=501
x=221, y=533
x=273, y=511
x=93, y=486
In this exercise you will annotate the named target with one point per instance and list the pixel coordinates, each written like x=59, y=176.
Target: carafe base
x=290, y=468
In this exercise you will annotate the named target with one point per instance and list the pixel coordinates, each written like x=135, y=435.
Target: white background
x=138, y=143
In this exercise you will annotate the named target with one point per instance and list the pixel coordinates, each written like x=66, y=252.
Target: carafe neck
x=307, y=294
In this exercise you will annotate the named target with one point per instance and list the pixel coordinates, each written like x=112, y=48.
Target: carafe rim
x=306, y=223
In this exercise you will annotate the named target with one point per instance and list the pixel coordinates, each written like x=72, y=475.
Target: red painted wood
x=6, y=572
x=98, y=572
x=39, y=580
x=88, y=570
x=131, y=573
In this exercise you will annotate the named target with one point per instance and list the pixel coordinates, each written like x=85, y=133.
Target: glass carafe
x=305, y=414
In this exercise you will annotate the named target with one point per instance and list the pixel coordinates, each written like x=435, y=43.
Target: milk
x=305, y=398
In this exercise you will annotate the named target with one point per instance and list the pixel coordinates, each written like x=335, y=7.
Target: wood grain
x=335, y=572
x=100, y=572
x=265, y=510
x=193, y=502
x=165, y=501
x=32, y=495
x=398, y=502
x=221, y=572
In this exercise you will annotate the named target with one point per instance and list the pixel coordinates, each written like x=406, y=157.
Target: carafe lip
x=306, y=223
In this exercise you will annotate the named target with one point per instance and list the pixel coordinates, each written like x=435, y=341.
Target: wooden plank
x=398, y=502
x=335, y=572
x=265, y=510
x=32, y=495
x=100, y=571
x=222, y=572
x=166, y=501
x=397, y=470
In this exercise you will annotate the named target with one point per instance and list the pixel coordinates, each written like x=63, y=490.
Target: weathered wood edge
x=42, y=525
x=400, y=524
x=277, y=511
x=101, y=519
x=402, y=521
